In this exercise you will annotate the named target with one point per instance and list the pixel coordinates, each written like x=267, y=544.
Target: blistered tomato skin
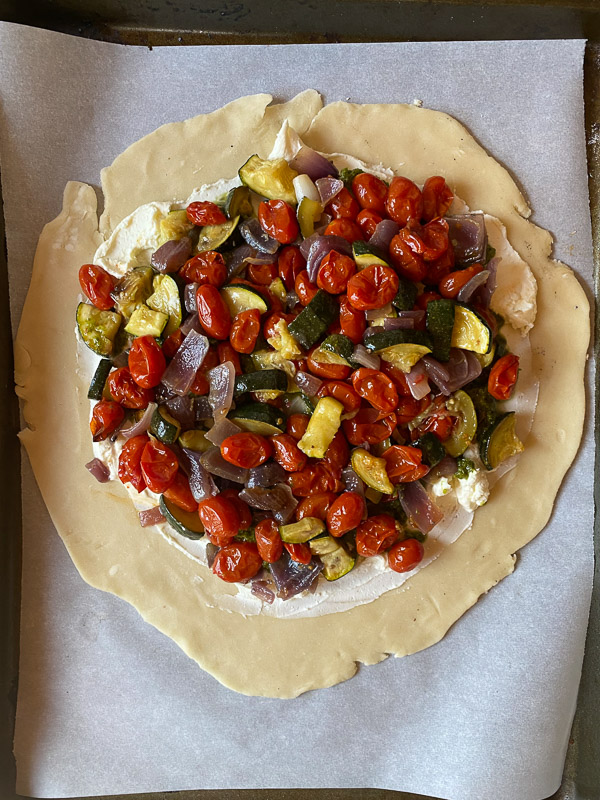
x=97, y=285
x=366, y=429
x=503, y=377
x=287, y=453
x=246, y=450
x=404, y=201
x=376, y=388
x=245, y=330
x=278, y=219
x=296, y=425
x=353, y=322
x=316, y=505
x=334, y=272
x=346, y=229
x=106, y=418
x=345, y=513
x=403, y=464
x=450, y=285
x=159, y=466
x=371, y=192
x=408, y=263
x=336, y=372
x=406, y=555
x=126, y=391
x=220, y=518
x=208, y=267
x=268, y=540
x=290, y=264
x=343, y=206
x=146, y=362
x=304, y=288
x=204, y=212
x=299, y=552
x=129, y=470
x=375, y=535
x=367, y=221
x=373, y=287
x=238, y=561
x=180, y=494
x=340, y=391
x=213, y=313
x=437, y=198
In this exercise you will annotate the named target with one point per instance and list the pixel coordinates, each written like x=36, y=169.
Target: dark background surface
x=172, y=22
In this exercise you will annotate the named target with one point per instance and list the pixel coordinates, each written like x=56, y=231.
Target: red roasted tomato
x=345, y=513
x=405, y=555
x=278, y=219
x=373, y=287
x=213, y=313
x=126, y=391
x=376, y=388
x=503, y=377
x=159, y=466
x=146, y=362
x=403, y=464
x=375, y=535
x=205, y=213
x=130, y=470
x=106, y=418
x=238, y=561
x=370, y=191
x=208, y=267
x=97, y=285
x=246, y=450
x=220, y=518
x=287, y=454
x=268, y=540
x=404, y=201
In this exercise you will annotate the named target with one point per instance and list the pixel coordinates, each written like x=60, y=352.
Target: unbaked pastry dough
x=261, y=655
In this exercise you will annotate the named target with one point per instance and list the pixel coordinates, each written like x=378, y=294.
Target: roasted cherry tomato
x=345, y=513
x=246, y=450
x=290, y=264
x=180, y=494
x=126, y=391
x=404, y=201
x=202, y=212
x=337, y=372
x=408, y=263
x=408, y=408
x=367, y=221
x=227, y=353
x=129, y=470
x=220, y=518
x=208, y=267
x=451, y=284
x=437, y=198
x=146, y=362
x=304, y=288
x=429, y=241
x=243, y=508
x=342, y=392
x=370, y=192
x=106, y=418
x=97, y=284
x=337, y=454
x=439, y=267
x=159, y=466
x=245, y=330
x=286, y=452
x=367, y=427
x=278, y=219
x=403, y=463
x=399, y=377
x=373, y=287
x=353, y=322
x=238, y=561
x=334, y=272
x=343, y=206
x=299, y=552
x=405, y=555
x=297, y=425
x=375, y=535
x=213, y=313
x=262, y=274
x=269, y=328
x=440, y=425
x=503, y=377
x=314, y=479
x=173, y=342
x=345, y=228
x=315, y=505
x=268, y=540
x=376, y=388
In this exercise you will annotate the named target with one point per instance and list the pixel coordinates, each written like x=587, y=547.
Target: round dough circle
x=261, y=655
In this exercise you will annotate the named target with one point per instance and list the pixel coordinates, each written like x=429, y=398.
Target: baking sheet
x=108, y=705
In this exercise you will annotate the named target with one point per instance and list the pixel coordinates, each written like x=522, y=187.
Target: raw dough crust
x=252, y=655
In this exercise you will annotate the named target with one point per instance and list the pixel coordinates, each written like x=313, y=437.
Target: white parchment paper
x=109, y=705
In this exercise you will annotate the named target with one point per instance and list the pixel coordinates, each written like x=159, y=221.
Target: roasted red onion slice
x=183, y=410
x=437, y=373
x=253, y=234
x=291, y=301
x=99, y=470
x=261, y=590
x=221, y=430
x=383, y=235
x=211, y=553
x=279, y=500
x=469, y=289
x=203, y=409
x=406, y=320
x=485, y=295
x=352, y=481
x=222, y=382
x=307, y=383
x=202, y=485
x=192, y=323
x=421, y=510
x=328, y=188
x=319, y=248
x=213, y=462
x=151, y=516
x=444, y=469
x=262, y=258
x=142, y=425
x=180, y=373
x=291, y=577
x=468, y=237
x=266, y=475
x=189, y=297
x=172, y=255
x=417, y=381
x=236, y=260
x=365, y=358
x=309, y=162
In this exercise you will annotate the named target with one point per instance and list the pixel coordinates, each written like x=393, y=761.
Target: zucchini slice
x=364, y=255
x=406, y=295
x=268, y=380
x=175, y=225
x=165, y=427
x=339, y=345
x=195, y=440
x=277, y=288
x=337, y=562
x=371, y=470
x=460, y=405
x=298, y=532
x=314, y=320
x=404, y=356
x=213, y=236
x=440, y=324
x=431, y=447
x=97, y=328
x=499, y=441
x=238, y=202
x=145, y=322
x=186, y=523
x=382, y=340
x=166, y=299
x=272, y=179
x=322, y=427
x=259, y=418
x=134, y=288
x=96, y=390
x=239, y=297
x=309, y=212
x=471, y=331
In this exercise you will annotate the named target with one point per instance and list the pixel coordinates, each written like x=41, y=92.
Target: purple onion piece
x=417, y=381
x=180, y=373
x=469, y=289
x=162, y=393
x=222, y=382
x=278, y=499
x=365, y=358
x=142, y=425
x=203, y=409
x=183, y=410
x=236, y=260
x=261, y=590
x=192, y=323
x=319, y=249
x=370, y=331
x=213, y=462
x=383, y=235
x=211, y=553
x=172, y=255
x=99, y=470
x=202, y=485
x=253, y=234
x=262, y=258
x=307, y=383
x=443, y=469
x=291, y=301
x=266, y=475
x=151, y=516
x=419, y=507
x=468, y=237
x=309, y=162
x=291, y=577
x=486, y=292
x=189, y=297
x=221, y=430
x=438, y=374
x=352, y=481
x=406, y=320
x=328, y=188
x=307, y=243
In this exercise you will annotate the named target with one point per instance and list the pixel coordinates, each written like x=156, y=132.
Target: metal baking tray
x=164, y=22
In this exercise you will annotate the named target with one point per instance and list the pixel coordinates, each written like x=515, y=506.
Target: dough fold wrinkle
x=262, y=655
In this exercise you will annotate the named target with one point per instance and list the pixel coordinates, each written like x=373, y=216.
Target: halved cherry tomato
x=290, y=264
x=208, y=267
x=159, y=466
x=97, y=284
x=146, y=362
x=370, y=192
x=437, y=198
x=180, y=494
x=126, y=391
x=408, y=263
x=314, y=479
x=238, y=561
x=304, y=288
x=337, y=372
x=337, y=454
x=366, y=429
x=373, y=287
x=376, y=388
x=246, y=450
x=227, y=353
x=278, y=219
x=129, y=469
x=345, y=513
x=296, y=425
x=268, y=540
x=346, y=229
x=203, y=212
x=315, y=505
x=451, y=284
x=353, y=322
x=367, y=221
x=263, y=274
x=405, y=555
x=213, y=313
x=244, y=330
x=342, y=392
x=403, y=463
x=106, y=418
x=404, y=201
x=334, y=272
x=220, y=518
x=375, y=535
x=286, y=452
x=299, y=552
x=343, y=206
x=173, y=342
x=243, y=508
x=503, y=377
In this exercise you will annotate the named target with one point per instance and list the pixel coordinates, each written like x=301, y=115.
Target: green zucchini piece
x=145, y=322
x=299, y=532
x=97, y=328
x=134, y=288
x=384, y=339
x=272, y=178
x=213, y=236
x=471, y=331
x=259, y=418
x=166, y=299
x=404, y=356
x=309, y=212
x=239, y=297
x=322, y=427
x=277, y=287
x=96, y=390
x=165, y=427
x=440, y=324
x=263, y=380
x=195, y=440
x=339, y=344
x=460, y=405
x=314, y=320
x=298, y=403
x=186, y=523
x=175, y=225
x=406, y=295
x=365, y=254
x=499, y=441
x=431, y=447
x=238, y=202
x=337, y=562
x=372, y=470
